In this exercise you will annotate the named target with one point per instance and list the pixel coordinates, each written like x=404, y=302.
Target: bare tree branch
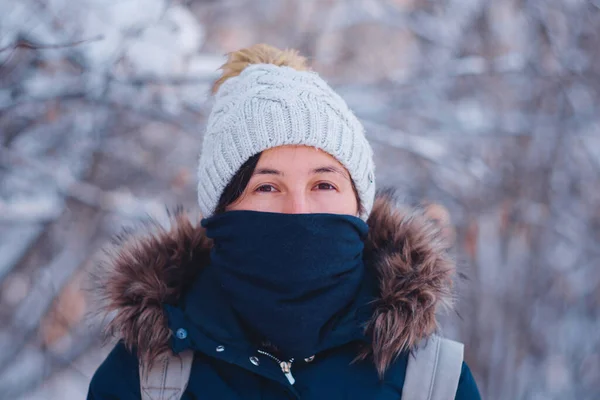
x=26, y=44
x=122, y=203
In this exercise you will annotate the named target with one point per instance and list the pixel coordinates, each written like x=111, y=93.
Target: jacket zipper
x=286, y=366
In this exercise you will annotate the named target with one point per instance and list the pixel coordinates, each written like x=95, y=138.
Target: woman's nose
x=296, y=203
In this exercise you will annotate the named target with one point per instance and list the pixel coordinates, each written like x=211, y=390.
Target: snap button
x=309, y=359
x=220, y=349
x=181, y=333
x=255, y=361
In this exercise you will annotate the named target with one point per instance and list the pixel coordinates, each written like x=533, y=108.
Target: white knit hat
x=268, y=106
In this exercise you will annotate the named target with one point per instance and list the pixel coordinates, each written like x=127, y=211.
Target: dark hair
x=238, y=183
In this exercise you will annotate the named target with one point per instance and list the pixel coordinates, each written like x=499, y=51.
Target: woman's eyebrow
x=319, y=170
x=328, y=168
x=267, y=171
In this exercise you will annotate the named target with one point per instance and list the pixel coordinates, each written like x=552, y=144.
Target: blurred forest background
x=488, y=107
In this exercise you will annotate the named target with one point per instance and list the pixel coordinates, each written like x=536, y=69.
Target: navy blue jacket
x=164, y=297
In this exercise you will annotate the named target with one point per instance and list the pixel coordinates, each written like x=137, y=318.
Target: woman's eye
x=265, y=188
x=325, y=186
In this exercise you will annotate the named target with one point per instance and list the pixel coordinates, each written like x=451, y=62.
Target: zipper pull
x=286, y=367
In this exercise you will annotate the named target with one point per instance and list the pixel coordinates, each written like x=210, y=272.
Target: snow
x=15, y=242
x=463, y=101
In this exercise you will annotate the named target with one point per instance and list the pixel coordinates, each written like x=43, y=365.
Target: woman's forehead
x=296, y=153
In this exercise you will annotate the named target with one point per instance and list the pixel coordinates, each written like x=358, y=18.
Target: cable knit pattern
x=268, y=106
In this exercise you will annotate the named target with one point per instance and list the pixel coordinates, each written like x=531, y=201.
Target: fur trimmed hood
x=407, y=248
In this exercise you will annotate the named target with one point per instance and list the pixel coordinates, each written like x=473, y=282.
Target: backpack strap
x=167, y=378
x=433, y=370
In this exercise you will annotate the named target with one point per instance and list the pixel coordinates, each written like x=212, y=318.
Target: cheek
x=337, y=204
x=263, y=203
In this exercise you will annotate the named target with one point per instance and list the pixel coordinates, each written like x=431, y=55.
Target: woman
x=299, y=283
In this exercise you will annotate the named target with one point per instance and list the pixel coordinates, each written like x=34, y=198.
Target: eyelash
x=258, y=189
x=326, y=183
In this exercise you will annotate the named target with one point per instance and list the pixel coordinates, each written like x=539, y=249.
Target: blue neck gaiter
x=288, y=276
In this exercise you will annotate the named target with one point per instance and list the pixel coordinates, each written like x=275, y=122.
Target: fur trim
x=143, y=273
x=408, y=250
x=411, y=256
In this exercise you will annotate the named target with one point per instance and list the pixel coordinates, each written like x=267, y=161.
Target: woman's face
x=298, y=180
